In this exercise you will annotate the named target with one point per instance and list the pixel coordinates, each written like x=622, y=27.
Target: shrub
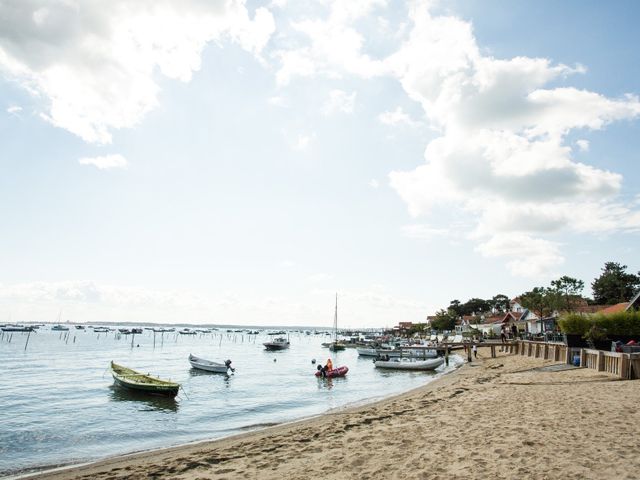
x=574, y=323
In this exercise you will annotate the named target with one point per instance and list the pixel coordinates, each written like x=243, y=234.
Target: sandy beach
x=494, y=418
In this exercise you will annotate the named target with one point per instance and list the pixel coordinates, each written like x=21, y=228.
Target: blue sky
x=241, y=163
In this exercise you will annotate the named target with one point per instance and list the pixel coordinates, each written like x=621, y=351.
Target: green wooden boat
x=128, y=378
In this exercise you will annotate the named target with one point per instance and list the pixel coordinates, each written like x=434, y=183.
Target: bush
x=576, y=324
x=621, y=323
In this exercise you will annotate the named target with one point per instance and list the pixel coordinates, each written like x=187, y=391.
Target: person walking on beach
x=475, y=351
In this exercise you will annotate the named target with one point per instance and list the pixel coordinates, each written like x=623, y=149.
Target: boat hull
x=206, y=365
x=132, y=380
x=277, y=344
x=420, y=365
x=336, y=372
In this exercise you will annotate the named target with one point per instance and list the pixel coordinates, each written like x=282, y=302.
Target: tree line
x=613, y=285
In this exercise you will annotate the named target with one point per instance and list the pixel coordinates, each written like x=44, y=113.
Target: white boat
x=61, y=328
x=209, y=366
x=409, y=364
x=279, y=343
x=187, y=331
x=101, y=330
x=380, y=352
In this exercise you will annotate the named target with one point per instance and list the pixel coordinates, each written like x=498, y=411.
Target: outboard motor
x=227, y=364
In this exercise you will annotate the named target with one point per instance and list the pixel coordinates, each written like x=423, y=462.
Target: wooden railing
x=623, y=365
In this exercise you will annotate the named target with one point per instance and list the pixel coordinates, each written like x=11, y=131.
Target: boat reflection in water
x=145, y=402
x=225, y=377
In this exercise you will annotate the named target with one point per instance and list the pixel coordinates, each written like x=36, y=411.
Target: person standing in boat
x=329, y=365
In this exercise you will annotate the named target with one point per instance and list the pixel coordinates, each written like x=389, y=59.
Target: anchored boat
x=279, y=343
x=209, y=366
x=128, y=378
x=409, y=363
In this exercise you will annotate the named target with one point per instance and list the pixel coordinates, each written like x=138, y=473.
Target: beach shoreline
x=501, y=418
x=46, y=471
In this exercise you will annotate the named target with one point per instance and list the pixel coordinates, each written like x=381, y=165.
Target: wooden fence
x=622, y=365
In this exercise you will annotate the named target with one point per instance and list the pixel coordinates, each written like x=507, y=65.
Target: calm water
x=59, y=404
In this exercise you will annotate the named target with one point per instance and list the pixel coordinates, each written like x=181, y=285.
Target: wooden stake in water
x=27, y=342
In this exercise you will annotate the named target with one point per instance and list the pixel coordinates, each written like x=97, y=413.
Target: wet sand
x=499, y=418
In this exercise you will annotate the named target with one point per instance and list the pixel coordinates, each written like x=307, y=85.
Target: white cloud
x=397, y=117
x=14, y=109
x=105, y=162
x=339, y=101
x=94, y=62
x=331, y=46
x=528, y=256
x=287, y=264
x=373, y=183
x=502, y=155
x=583, y=145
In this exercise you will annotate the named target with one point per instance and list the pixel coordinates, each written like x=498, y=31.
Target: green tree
x=541, y=301
x=569, y=292
x=456, y=307
x=445, y=320
x=475, y=306
x=500, y=303
x=614, y=285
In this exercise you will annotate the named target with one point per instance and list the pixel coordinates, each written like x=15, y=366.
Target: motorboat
x=409, y=363
x=61, y=328
x=209, y=366
x=334, y=373
x=17, y=328
x=187, y=331
x=279, y=343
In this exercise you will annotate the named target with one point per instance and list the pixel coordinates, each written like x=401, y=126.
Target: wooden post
x=583, y=358
x=600, y=361
x=546, y=351
x=446, y=356
x=567, y=355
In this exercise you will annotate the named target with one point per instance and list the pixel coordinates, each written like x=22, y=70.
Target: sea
x=59, y=406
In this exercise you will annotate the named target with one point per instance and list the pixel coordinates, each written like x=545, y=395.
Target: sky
x=236, y=162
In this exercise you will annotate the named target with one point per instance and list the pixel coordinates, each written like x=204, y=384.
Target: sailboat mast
x=335, y=322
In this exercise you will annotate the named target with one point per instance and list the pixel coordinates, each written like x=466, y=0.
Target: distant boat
x=209, y=366
x=379, y=352
x=124, y=331
x=409, y=364
x=100, y=329
x=79, y=327
x=128, y=378
x=336, y=346
x=187, y=331
x=59, y=327
x=17, y=328
x=279, y=343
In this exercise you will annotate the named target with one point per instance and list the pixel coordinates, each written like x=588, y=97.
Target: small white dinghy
x=209, y=366
x=409, y=364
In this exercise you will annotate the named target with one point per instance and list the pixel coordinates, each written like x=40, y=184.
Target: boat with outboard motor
x=209, y=366
x=334, y=373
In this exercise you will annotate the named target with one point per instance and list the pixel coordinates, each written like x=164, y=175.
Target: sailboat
x=335, y=345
